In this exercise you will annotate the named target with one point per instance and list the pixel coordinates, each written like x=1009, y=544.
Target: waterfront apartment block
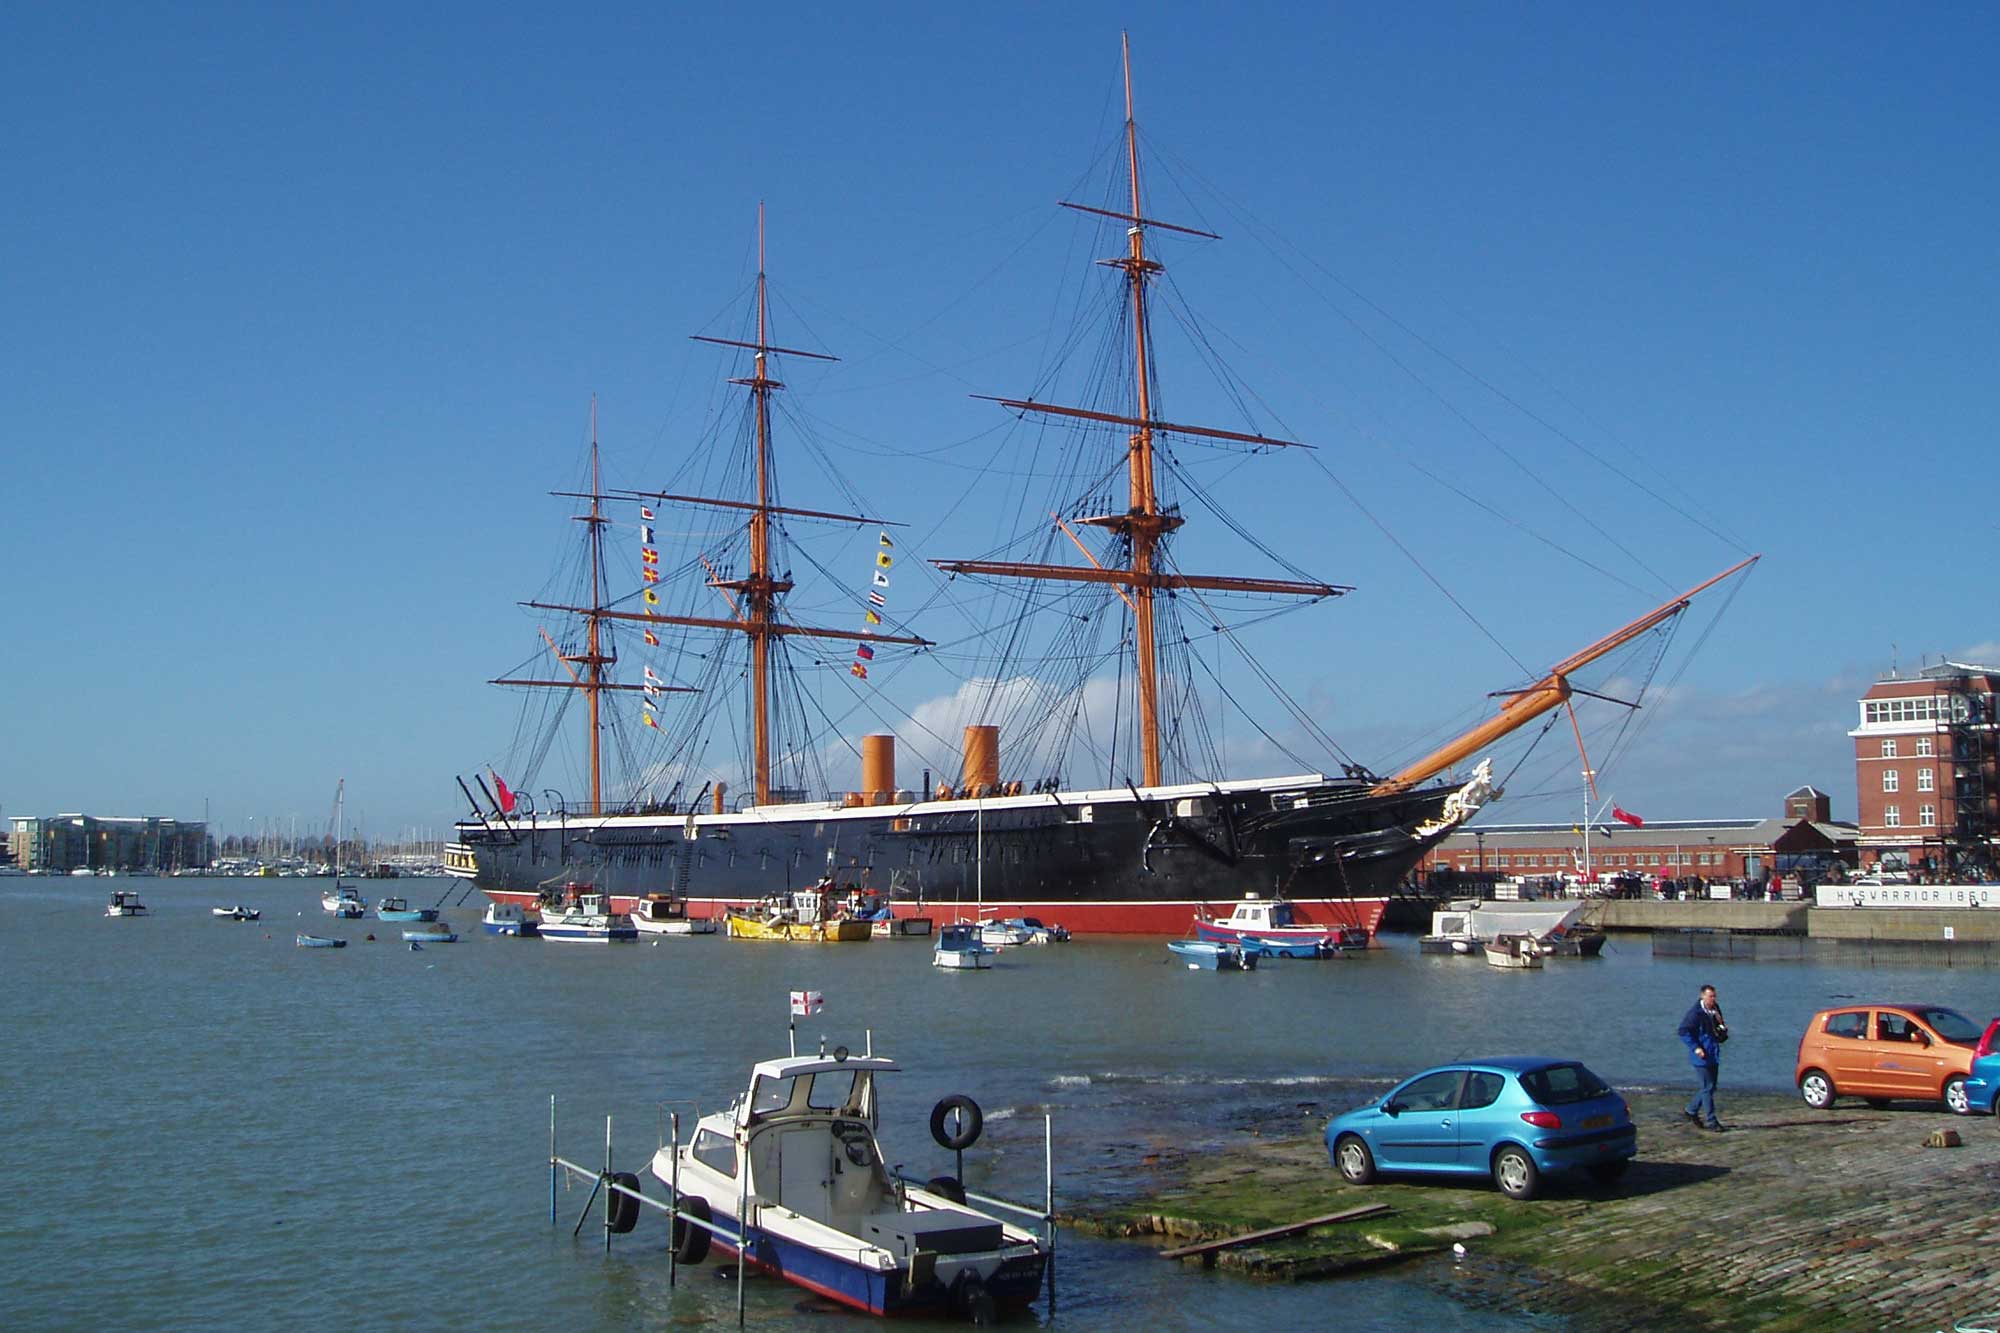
x=62, y=844
x=1927, y=770
x=1805, y=842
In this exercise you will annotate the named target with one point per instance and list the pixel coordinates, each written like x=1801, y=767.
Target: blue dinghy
x=1212, y=957
x=319, y=942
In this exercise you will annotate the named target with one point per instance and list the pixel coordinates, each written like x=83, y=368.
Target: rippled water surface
x=202, y=1125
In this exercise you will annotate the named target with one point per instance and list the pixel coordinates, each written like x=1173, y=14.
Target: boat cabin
x=660, y=907
x=1254, y=913
x=805, y=1131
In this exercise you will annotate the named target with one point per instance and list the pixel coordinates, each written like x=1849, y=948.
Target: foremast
x=1144, y=525
x=755, y=599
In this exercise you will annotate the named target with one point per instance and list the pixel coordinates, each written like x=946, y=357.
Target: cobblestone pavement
x=1843, y=1215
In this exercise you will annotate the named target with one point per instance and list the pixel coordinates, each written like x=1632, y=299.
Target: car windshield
x=1563, y=1085
x=1950, y=1024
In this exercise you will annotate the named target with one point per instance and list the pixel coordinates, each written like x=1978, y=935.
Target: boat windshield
x=842, y=1091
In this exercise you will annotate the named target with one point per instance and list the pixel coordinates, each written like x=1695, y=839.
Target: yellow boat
x=804, y=916
x=812, y=932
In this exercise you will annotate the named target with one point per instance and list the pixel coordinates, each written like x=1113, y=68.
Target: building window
x=1923, y=747
x=1888, y=749
x=1892, y=817
x=1927, y=816
x=1890, y=779
x=1925, y=782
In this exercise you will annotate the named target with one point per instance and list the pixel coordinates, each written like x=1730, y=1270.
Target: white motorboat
x=792, y=1173
x=124, y=902
x=664, y=914
x=961, y=948
x=344, y=901
x=508, y=919
x=236, y=913
x=585, y=917
x=1513, y=951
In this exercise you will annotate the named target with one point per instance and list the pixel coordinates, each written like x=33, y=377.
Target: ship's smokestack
x=721, y=793
x=982, y=759
x=878, y=769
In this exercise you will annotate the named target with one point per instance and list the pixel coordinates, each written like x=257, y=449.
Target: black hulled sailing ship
x=1139, y=855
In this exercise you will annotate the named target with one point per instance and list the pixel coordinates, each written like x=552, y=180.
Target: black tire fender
x=690, y=1241
x=624, y=1208
x=970, y=1122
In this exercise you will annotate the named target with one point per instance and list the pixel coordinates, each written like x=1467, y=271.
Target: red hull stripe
x=1165, y=917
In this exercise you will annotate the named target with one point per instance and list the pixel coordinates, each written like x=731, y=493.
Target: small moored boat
x=306, y=941
x=850, y=1231
x=585, y=917
x=1272, y=926
x=1208, y=956
x=664, y=914
x=399, y=909
x=803, y=917
x=960, y=948
x=1514, y=951
x=507, y=919
x=430, y=935
x=236, y=913
x=344, y=902
x=124, y=902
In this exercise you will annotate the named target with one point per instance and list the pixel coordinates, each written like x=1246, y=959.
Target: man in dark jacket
x=1703, y=1033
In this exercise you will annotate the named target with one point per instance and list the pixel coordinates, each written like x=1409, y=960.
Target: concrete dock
x=1794, y=1219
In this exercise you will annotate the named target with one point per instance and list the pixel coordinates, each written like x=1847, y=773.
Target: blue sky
x=304, y=309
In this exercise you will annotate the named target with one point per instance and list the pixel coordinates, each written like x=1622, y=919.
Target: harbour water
x=203, y=1125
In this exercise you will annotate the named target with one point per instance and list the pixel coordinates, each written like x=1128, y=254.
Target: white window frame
x=1891, y=780
x=1924, y=747
x=1889, y=748
x=1892, y=816
x=1926, y=780
x=1927, y=816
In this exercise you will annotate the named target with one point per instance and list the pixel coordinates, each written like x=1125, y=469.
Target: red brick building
x=1927, y=772
x=1804, y=841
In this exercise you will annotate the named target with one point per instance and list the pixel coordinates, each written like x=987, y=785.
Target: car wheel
x=1514, y=1172
x=1955, y=1097
x=1817, y=1089
x=1356, y=1163
x=1606, y=1172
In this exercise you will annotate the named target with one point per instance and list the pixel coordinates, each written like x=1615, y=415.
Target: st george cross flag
x=806, y=1003
x=1627, y=817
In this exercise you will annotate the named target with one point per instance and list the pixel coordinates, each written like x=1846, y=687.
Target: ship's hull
x=1108, y=862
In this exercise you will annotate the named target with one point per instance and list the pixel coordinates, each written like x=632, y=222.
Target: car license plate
x=1597, y=1122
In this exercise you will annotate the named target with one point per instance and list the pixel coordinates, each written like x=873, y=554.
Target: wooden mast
x=1143, y=524
x=760, y=588
x=1523, y=706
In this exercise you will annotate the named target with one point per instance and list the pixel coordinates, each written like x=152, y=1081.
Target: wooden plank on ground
x=1272, y=1233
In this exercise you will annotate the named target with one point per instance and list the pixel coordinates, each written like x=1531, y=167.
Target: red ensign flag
x=1627, y=817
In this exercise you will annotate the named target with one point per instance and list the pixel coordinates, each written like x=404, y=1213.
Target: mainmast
x=757, y=604
x=1144, y=525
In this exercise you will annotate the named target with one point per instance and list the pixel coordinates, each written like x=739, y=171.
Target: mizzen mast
x=1144, y=525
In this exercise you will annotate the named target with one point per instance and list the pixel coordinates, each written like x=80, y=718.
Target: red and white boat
x=1272, y=926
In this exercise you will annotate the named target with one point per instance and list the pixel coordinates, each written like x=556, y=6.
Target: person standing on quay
x=1703, y=1033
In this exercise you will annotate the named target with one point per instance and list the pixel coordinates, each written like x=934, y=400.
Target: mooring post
x=1049, y=1201
x=610, y=1186
x=553, y=1168
x=674, y=1202
x=742, y=1223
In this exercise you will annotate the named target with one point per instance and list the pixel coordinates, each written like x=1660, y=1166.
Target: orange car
x=1887, y=1052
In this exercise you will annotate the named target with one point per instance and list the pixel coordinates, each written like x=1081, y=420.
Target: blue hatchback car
x=1517, y=1119
x=1982, y=1085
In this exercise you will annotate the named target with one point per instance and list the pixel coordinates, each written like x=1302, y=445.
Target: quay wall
x=1888, y=925
x=1643, y=914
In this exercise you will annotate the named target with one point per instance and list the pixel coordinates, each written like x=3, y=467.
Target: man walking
x=1703, y=1033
